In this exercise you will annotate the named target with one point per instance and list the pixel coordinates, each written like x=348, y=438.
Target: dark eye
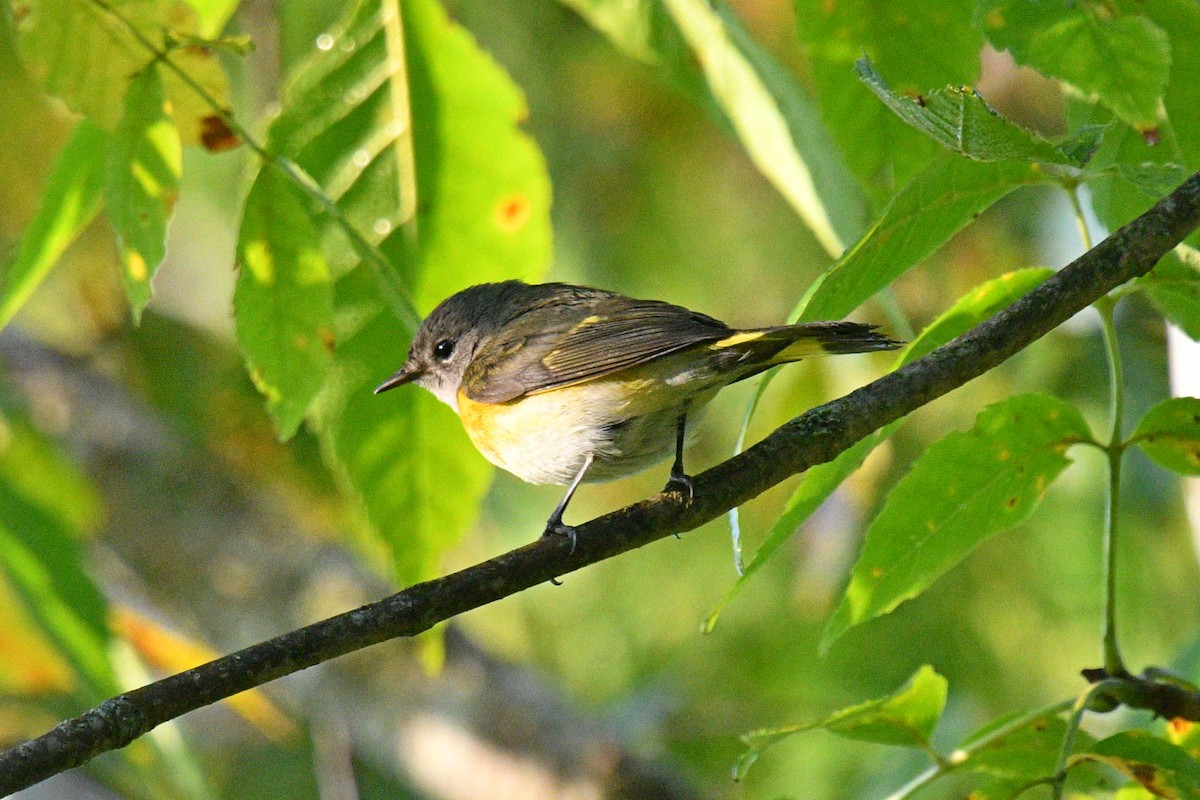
x=443, y=349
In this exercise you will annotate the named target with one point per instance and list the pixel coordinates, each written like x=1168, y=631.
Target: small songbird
x=561, y=384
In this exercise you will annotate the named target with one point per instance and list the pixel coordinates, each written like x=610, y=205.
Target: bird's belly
x=626, y=425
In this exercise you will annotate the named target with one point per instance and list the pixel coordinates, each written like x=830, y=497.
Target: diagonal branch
x=812, y=438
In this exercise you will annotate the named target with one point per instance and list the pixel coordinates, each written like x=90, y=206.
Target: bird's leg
x=555, y=526
x=680, y=480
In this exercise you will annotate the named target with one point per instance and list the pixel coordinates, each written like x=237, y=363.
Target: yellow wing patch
x=738, y=338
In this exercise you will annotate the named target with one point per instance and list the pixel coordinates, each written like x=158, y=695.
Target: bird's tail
x=825, y=338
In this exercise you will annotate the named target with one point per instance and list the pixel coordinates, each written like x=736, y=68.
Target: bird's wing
x=583, y=340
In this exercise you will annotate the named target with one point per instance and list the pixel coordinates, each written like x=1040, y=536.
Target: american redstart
x=561, y=384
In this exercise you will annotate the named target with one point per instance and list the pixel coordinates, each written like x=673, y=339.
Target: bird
x=561, y=384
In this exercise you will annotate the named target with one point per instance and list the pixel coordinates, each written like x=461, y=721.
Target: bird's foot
x=679, y=482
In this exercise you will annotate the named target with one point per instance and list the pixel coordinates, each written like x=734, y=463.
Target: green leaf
x=905, y=718
x=1170, y=435
x=72, y=198
x=347, y=120
x=706, y=51
x=934, y=206
x=484, y=217
x=42, y=560
x=1173, y=286
x=775, y=121
x=145, y=161
x=1023, y=754
x=899, y=36
x=958, y=119
x=1121, y=60
x=819, y=482
x=1161, y=767
x=87, y=55
x=283, y=301
x=963, y=489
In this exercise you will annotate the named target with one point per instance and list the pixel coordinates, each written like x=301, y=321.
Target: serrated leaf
x=1122, y=60
x=961, y=121
x=899, y=36
x=347, y=121
x=484, y=217
x=905, y=718
x=72, y=198
x=1163, y=768
x=85, y=53
x=283, y=300
x=819, y=482
x=934, y=206
x=145, y=161
x=1170, y=435
x=964, y=488
x=775, y=121
x=1173, y=286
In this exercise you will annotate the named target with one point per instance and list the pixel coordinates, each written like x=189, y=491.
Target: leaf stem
x=1114, y=451
x=384, y=271
x=946, y=764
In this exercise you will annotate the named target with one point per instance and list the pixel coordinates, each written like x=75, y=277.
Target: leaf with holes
x=283, y=301
x=905, y=718
x=964, y=488
x=1170, y=435
x=145, y=161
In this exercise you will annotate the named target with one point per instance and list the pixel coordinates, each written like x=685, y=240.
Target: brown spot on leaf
x=1151, y=136
x=327, y=337
x=511, y=213
x=216, y=136
x=1011, y=502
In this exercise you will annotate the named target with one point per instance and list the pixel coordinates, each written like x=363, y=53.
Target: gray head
x=447, y=340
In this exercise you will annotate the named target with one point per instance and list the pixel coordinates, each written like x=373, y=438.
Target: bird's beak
x=406, y=374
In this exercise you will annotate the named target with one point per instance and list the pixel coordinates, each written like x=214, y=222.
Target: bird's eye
x=443, y=349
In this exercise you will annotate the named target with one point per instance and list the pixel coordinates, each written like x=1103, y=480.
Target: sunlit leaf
x=42, y=562
x=960, y=120
x=1166, y=770
x=903, y=719
x=775, y=121
x=963, y=489
x=484, y=217
x=283, y=303
x=1170, y=435
x=934, y=206
x=72, y=198
x=145, y=161
x=88, y=54
x=1122, y=60
x=899, y=36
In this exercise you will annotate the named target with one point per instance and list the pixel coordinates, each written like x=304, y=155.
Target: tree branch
x=812, y=438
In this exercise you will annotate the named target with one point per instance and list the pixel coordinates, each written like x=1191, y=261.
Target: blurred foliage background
x=206, y=529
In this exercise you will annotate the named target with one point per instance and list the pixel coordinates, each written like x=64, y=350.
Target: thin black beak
x=406, y=374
